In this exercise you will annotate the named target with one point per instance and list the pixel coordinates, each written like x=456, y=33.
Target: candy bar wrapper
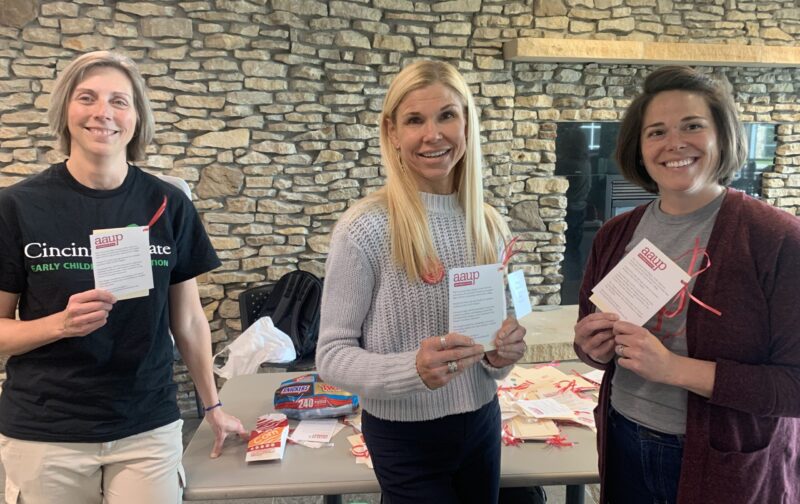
x=268, y=440
x=307, y=396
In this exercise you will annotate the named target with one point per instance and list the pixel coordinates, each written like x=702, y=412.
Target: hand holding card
x=440, y=358
x=477, y=302
x=509, y=344
x=643, y=281
x=121, y=261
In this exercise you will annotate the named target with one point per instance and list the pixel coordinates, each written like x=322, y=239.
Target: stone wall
x=269, y=109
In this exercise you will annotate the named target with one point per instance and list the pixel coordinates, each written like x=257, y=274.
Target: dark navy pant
x=643, y=466
x=455, y=459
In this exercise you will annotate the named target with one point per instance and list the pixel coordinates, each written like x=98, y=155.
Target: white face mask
x=261, y=342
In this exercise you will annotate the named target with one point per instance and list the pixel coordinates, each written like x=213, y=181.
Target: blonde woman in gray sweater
x=431, y=419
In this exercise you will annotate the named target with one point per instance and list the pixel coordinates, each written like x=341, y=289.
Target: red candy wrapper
x=308, y=396
x=268, y=440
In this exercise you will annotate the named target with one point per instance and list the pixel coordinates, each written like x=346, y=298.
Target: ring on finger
x=443, y=342
x=452, y=366
x=621, y=350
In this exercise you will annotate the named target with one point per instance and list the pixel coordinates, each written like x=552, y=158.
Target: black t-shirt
x=116, y=381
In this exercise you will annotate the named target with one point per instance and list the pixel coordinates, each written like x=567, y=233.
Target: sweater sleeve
x=772, y=388
x=585, y=307
x=494, y=372
x=346, y=301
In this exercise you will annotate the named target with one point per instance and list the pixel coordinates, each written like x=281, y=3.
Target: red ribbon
x=591, y=382
x=158, y=213
x=508, y=252
x=521, y=386
x=698, y=253
x=569, y=386
x=360, y=451
x=508, y=438
x=559, y=441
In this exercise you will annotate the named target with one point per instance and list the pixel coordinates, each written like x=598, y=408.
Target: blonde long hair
x=410, y=237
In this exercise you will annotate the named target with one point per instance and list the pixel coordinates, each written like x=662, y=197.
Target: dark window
x=597, y=191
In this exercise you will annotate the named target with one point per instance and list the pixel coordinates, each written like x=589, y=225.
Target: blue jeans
x=643, y=466
x=450, y=460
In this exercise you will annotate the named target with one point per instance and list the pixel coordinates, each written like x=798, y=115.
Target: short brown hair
x=74, y=73
x=732, y=142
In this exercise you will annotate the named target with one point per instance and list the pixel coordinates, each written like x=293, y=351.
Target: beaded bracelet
x=219, y=403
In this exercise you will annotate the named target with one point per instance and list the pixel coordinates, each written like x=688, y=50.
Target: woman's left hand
x=224, y=425
x=509, y=344
x=642, y=353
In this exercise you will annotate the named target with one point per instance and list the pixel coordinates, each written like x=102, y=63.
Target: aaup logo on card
x=465, y=279
x=652, y=260
x=109, y=240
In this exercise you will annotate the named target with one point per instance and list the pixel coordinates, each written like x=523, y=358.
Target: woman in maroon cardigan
x=700, y=405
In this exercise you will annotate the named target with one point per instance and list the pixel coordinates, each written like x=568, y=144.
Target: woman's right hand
x=594, y=335
x=441, y=358
x=85, y=312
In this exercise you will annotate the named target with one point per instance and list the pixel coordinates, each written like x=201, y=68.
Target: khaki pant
x=141, y=469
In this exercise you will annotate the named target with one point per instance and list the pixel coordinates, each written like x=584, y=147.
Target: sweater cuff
x=401, y=376
x=494, y=372
x=733, y=386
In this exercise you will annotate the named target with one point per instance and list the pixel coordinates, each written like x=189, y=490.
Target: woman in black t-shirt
x=88, y=413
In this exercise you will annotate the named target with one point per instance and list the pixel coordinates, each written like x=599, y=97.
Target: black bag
x=293, y=304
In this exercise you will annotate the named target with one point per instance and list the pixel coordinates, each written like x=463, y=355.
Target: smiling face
x=101, y=116
x=429, y=130
x=680, y=149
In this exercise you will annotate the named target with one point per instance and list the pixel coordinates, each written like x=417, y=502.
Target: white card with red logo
x=320, y=430
x=640, y=285
x=477, y=302
x=121, y=261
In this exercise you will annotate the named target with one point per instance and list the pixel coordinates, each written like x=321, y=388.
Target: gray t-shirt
x=659, y=406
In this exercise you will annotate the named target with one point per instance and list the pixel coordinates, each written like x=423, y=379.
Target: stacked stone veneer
x=269, y=109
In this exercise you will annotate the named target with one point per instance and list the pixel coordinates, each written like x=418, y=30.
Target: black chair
x=251, y=301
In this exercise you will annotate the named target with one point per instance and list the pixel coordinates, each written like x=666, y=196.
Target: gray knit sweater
x=373, y=318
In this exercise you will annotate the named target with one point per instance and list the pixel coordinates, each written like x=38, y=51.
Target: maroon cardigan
x=743, y=444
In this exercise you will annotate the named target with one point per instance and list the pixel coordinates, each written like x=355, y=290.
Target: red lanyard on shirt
x=158, y=213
